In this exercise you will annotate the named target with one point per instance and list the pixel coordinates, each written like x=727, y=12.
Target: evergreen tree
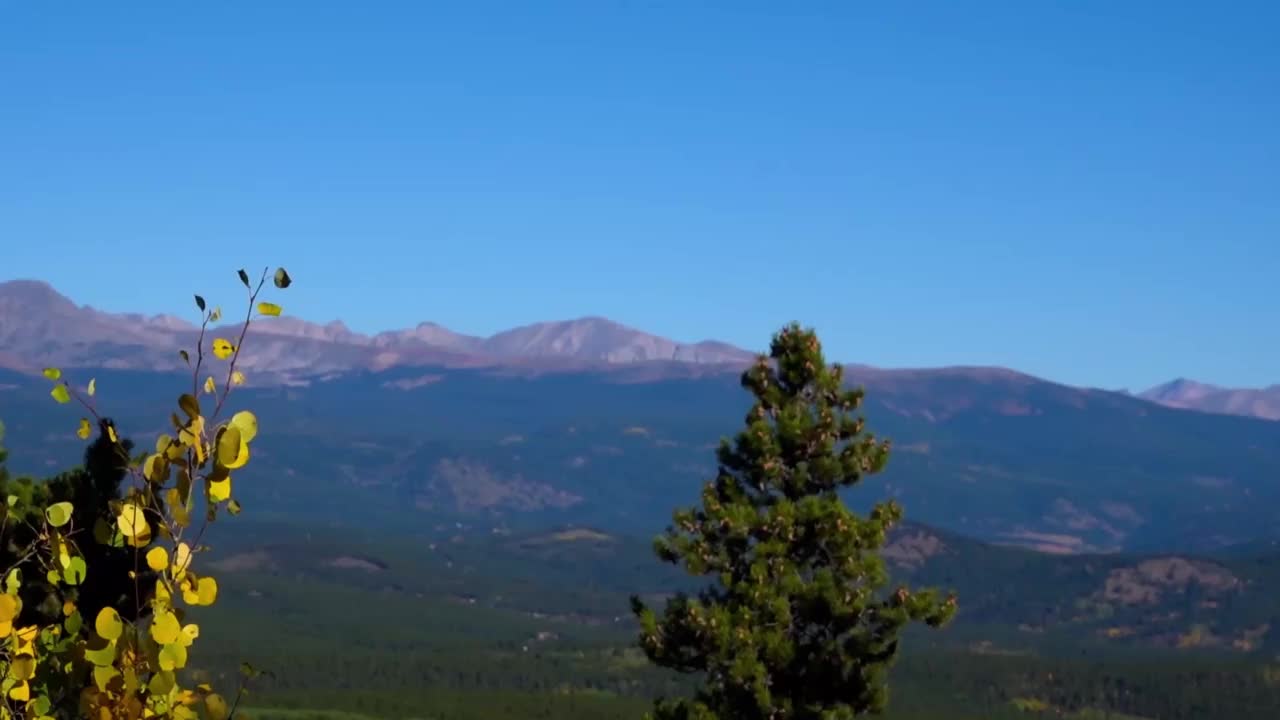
x=91, y=488
x=797, y=623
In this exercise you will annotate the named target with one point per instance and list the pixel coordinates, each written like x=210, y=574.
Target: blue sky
x=1087, y=191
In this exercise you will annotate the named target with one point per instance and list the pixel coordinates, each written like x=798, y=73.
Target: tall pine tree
x=798, y=623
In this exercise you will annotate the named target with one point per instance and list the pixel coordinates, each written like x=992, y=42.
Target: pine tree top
x=795, y=623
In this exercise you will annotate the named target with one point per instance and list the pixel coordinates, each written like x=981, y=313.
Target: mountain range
x=589, y=422
x=40, y=327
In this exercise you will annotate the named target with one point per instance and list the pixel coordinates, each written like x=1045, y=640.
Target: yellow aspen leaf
x=247, y=423
x=140, y=540
x=233, y=451
x=210, y=385
x=191, y=632
x=52, y=373
x=181, y=560
x=156, y=468
x=6, y=629
x=270, y=309
x=26, y=636
x=216, y=315
x=165, y=628
x=108, y=624
x=216, y=707
x=162, y=596
x=111, y=433
x=189, y=594
x=158, y=559
x=207, y=590
x=10, y=605
x=228, y=445
x=237, y=378
x=220, y=490
x=59, y=514
x=93, y=386
x=20, y=692
x=68, y=607
x=61, y=394
x=131, y=521
x=85, y=430
x=222, y=348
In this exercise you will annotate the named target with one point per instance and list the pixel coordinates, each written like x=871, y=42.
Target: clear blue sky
x=1087, y=191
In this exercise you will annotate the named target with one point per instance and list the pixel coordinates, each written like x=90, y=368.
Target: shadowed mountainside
x=991, y=454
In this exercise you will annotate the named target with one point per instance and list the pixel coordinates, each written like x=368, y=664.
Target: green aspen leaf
x=40, y=706
x=13, y=581
x=161, y=683
x=85, y=430
x=188, y=404
x=186, y=357
x=222, y=348
x=93, y=386
x=52, y=373
x=165, y=628
x=73, y=623
x=173, y=657
x=75, y=571
x=102, y=532
x=247, y=423
x=22, y=667
x=200, y=303
x=216, y=315
x=12, y=500
x=269, y=309
x=102, y=676
x=59, y=514
x=108, y=625
x=282, y=279
x=61, y=394
x=244, y=277
x=100, y=651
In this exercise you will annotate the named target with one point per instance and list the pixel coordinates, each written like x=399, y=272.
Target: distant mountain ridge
x=1191, y=395
x=41, y=327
